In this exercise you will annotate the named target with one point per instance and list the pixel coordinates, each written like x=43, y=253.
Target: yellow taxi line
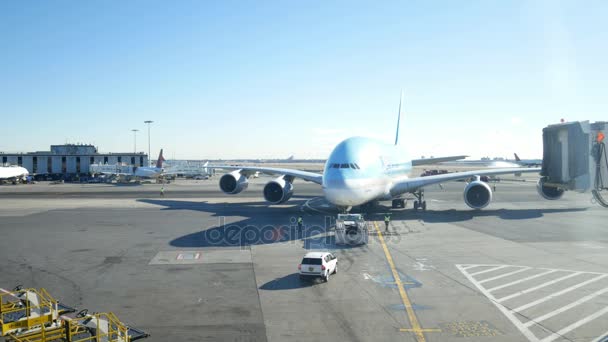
x=411, y=314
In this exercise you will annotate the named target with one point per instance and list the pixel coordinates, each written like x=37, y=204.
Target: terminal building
x=70, y=160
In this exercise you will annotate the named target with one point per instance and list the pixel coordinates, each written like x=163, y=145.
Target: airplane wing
x=250, y=170
x=426, y=161
x=413, y=184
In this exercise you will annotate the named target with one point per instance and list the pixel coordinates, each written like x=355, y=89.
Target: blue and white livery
x=361, y=171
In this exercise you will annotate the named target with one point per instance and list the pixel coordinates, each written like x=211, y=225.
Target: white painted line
x=517, y=294
x=489, y=270
x=565, y=308
x=558, y=293
x=602, y=337
x=522, y=280
x=470, y=266
x=505, y=275
x=575, y=325
x=527, y=333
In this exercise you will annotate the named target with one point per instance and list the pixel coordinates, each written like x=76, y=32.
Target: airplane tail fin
x=516, y=157
x=398, y=119
x=159, y=162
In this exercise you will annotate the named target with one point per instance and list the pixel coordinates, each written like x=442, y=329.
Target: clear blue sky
x=270, y=79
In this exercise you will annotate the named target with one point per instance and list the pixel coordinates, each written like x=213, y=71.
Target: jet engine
x=548, y=192
x=234, y=182
x=278, y=191
x=477, y=194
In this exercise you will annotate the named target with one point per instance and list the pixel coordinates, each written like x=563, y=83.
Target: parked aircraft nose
x=346, y=192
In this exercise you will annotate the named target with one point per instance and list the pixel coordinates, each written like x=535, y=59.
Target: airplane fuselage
x=148, y=172
x=13, y=172
x=360, y=170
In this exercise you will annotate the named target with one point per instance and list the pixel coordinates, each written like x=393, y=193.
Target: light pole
x=149, y=156
x=135, y=140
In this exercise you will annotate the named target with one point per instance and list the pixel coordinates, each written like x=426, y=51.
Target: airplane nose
x=344, y=192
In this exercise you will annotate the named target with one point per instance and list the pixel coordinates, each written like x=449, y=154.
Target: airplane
x=13, y=173
x=528, y=162
x=151, y=172
x=362, y=171
x=127, y=174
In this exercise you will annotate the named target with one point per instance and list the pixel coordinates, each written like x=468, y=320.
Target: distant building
x=70, y=160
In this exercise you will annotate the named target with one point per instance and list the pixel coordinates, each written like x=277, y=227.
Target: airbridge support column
x=575, y=158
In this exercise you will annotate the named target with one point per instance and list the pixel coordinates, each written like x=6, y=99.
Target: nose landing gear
x=419, y=203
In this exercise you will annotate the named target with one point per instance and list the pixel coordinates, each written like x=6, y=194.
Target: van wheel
x=326, y=278
x=336, y=270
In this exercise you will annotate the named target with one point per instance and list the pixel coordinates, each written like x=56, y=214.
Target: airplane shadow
x=288, y=282
x=263, y=224
x=456, y=215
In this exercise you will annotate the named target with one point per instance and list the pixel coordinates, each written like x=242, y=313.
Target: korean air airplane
x=361, y=171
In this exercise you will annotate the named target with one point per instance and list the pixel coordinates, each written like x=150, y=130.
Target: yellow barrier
x=25, y=309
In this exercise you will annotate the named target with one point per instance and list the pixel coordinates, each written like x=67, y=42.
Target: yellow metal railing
x=17, y=311
x=80, y=329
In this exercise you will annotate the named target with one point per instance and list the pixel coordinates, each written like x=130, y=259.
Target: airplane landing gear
x=419, y=203
x=398, y=203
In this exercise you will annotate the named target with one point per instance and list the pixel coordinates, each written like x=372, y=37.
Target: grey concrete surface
x=165, y=265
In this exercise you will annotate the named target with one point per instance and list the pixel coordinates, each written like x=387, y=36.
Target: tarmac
x=198, y=265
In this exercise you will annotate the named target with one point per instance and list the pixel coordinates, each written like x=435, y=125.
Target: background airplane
x=13, y=173
x=361, y=171
x=151, y=172
x=528, y=162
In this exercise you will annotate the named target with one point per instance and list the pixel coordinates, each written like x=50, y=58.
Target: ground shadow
x=456, y=215
x=288, y=282
x=262, y=224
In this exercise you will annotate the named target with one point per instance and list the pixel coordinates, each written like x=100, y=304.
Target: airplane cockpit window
x=344, y=166
x=335, y=166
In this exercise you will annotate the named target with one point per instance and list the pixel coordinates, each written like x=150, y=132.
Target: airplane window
x=357, y=166
x=352, y=166
x=344, y=166
x=335, y=166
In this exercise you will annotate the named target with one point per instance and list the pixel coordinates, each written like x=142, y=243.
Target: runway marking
x=490, y=270
x=521, y=280
x=516, y=318
x=567, y=307
x=602, y=338
x=534, y=288
x=505, y=275
x=411, y=314
x=558, y=293
x=307, y=205
x=575, y=325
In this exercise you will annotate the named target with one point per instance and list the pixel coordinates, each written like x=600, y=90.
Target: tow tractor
x=351, y=229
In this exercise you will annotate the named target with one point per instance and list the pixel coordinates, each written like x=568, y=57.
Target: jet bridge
x=575, y=158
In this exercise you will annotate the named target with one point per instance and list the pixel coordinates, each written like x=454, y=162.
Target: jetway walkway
x=575, y=158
